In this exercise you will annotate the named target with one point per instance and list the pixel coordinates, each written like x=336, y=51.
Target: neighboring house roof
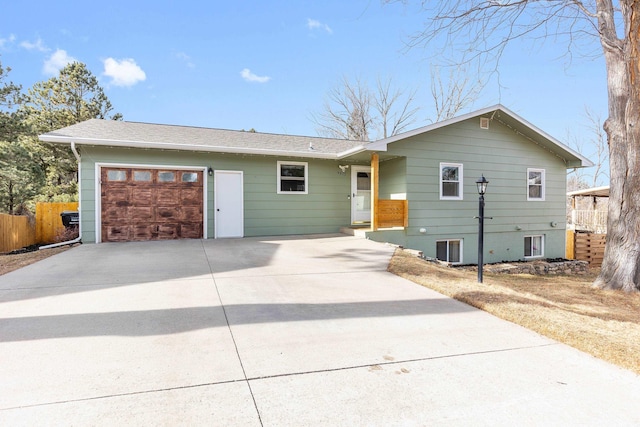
x=591, y=192
x=503, y=115
x=169, y=137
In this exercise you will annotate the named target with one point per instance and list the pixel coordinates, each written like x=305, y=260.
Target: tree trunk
x=621, y=264
x=11, y=198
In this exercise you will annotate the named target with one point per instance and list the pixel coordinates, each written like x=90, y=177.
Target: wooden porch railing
x=391, y=213
x=595, y=221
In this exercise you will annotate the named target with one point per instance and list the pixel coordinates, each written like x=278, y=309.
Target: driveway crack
x=235, y=345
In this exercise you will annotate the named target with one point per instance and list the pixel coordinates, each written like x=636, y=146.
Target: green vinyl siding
x=503, y=156
x=393, y=182
x=410, y=169
x=324, y=209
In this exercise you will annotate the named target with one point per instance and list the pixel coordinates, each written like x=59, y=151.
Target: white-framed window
x=293, y=177
x=535, y=184
x=450, y=181
x=449, y=250
x=533, y=246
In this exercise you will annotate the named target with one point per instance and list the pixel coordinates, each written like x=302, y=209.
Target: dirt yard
x=11, y=262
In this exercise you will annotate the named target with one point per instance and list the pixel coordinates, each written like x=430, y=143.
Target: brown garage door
x=151, y=204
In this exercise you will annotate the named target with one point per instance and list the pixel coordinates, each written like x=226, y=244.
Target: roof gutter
x=75, y=152
x=79, y=238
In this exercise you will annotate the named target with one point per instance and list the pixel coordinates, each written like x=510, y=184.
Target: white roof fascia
x=354, y=150
x=376, y=145
x=585, y=162
x=590, y=191
x=185, y=147
x=381, y=145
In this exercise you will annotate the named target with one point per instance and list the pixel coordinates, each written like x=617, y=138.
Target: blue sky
x=269, y=64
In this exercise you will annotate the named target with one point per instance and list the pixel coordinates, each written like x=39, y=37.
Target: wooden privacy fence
x=391, y=213
x=48, y=221
x=16, y=232
x=586, y=247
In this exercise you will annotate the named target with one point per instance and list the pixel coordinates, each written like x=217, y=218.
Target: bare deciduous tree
x=454, y=95
x=394, y=120
x=593, y=146
x=485, y=28
x=346, y=112
x=353, y=111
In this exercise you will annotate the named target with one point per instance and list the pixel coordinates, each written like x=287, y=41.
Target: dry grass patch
x=605, y=324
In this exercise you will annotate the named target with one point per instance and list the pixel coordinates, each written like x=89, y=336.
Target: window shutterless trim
x=459, y=181
x=542, y=185
x=533, y=236
x=280, y=178
x=448, y=241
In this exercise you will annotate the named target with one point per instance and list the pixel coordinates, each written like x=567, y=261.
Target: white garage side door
x=229, y=204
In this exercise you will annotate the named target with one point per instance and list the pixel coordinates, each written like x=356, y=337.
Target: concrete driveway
x=276, y=331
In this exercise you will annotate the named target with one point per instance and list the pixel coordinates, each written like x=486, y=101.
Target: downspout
x=79, y=238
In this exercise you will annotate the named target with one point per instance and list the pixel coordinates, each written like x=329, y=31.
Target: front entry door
x=360, y=194
x=229, y=204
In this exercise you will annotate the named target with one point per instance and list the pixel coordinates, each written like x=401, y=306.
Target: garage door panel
x=168, y=231
x=140, y=213
x=117, y=195
x=151, y=204
x=191, y=214
x=117, y=233
x=191, y=230
x=168, y=196
x=143, y=232
x=168, y=213
x=114, y=214
x=191, y=196
x=142, y=196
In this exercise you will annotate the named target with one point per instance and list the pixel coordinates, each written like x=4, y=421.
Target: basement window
x=449, y=251
x=533, y=246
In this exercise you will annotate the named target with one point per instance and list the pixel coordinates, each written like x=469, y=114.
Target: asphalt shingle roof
x=134, y=134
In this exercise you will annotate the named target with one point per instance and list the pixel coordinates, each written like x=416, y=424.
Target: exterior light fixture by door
x=482, y=188
x=210, y=171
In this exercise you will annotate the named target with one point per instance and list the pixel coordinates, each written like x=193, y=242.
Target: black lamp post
x=482, y=188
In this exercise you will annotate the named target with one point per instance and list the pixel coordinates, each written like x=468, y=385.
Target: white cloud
x=124, y=72
x=56, y=62
x=314, y=24
x=250, y=77
x=7, y=41
x=37, y=45
x=186, y=58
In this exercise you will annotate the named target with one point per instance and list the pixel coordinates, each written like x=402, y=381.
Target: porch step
x=356, y=231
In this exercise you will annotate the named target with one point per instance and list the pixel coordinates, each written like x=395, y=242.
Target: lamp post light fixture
x=482, y=188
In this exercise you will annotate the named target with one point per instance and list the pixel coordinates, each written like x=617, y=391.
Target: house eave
x=187, y=147
x=570, y=157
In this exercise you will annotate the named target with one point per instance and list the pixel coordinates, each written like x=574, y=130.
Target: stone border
x=540, y=267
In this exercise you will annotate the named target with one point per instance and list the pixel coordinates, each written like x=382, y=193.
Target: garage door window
x=142, y=176
x=189, y=177
x=164, y=176
x=116, y=175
